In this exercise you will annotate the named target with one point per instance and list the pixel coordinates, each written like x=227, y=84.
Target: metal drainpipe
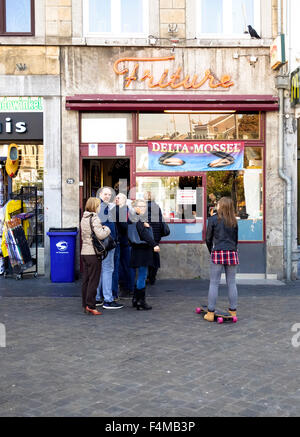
x=288, y=181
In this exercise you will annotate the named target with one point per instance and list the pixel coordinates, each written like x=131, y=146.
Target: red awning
x=159, y=103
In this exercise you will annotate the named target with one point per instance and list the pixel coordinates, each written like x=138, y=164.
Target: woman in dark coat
x=155, y=219
x=142, y=254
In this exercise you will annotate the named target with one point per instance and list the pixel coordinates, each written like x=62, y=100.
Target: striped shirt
x=226, y=257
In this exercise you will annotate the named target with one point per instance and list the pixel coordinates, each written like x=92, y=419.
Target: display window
x=31, y=173
x=246, y=190
x=187, y=160
x=181, y=200
x=198, y=126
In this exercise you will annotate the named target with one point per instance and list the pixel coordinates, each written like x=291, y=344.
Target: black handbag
x=102, y=247
x=133, y=235
x=164, y=229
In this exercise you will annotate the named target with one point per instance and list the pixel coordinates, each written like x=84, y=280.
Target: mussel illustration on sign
x=169, y=160
x=224, y=159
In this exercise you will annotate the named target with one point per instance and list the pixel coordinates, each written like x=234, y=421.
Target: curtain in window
x=242, y=15
x=132, y=16
x=18, y=15
x=100, y=16
x=212, y=16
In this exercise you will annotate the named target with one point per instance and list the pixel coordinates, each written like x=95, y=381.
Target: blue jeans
x=115, y=277
x=126, y=273
x=142, y=276
x=106, y=278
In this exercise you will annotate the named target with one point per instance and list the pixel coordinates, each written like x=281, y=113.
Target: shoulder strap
x=91, y=224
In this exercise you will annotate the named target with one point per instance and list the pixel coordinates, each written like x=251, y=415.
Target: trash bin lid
x=63, y=230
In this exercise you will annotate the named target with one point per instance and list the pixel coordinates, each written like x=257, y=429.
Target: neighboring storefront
x=189, y=131
x=21, y=123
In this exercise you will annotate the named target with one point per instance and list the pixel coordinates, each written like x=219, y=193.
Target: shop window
x=227, y=17
x=181, y=201
x=106, y=128
x=246, y=189
x=248, y=126
x=31, y=173
x=125, y=18
x=199, y=126
x=16, y=17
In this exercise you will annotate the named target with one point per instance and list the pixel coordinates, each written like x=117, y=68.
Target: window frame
x=116, y=22
x=108, y=150
x=3, y=21
x=227, y=14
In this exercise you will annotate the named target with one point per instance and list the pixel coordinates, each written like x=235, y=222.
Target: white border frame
x=227, y=22
x=115, y=22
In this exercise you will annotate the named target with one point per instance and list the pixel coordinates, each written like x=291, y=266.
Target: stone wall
x=37, y=60
x=172, y=12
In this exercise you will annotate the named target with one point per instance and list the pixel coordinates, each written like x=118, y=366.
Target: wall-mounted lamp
x=172, y=28
x=253, y=60
x=152, y=40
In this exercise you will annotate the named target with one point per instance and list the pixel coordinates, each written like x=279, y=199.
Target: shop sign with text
x=21, y=104
x=174, y=156
x=21, y=126
x=140, y=70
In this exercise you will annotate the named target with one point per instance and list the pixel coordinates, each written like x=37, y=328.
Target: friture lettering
x=174, y=80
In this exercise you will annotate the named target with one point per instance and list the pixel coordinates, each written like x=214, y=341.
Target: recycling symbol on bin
x=62, y=246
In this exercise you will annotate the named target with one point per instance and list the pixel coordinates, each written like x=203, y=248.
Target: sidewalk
x=165, y=362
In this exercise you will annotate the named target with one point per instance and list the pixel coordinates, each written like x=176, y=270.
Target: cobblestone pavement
x=165, y=362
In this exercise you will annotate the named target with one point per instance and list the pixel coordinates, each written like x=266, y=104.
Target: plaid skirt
x=225, y=257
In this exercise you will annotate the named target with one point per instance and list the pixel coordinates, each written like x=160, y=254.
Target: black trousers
x=90, y=280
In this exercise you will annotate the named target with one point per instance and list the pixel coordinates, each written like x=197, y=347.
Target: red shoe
x=94, y=312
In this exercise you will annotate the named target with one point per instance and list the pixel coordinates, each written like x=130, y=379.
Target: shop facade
x=153, y=118
x=30, y=119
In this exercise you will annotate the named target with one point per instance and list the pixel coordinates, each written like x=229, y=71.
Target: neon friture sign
x=169, y=80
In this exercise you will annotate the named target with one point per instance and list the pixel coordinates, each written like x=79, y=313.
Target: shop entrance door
x=99, y=172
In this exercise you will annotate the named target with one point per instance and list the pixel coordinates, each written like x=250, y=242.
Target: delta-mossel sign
x=195, y=156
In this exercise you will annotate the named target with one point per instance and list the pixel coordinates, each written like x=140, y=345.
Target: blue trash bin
x=62, y=254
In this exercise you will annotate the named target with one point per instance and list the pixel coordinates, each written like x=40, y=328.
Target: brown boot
x=210, y=316
x=232, y=312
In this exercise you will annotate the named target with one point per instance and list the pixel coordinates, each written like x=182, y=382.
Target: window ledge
x=110, y=41
x=197, y=42
x=219, y=42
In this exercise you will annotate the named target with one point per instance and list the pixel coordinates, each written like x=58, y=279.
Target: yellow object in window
x=11, y=207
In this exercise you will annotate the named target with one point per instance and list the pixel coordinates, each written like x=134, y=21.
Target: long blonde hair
x=226, y=212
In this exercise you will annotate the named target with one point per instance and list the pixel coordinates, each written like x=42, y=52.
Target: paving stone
x=165, y=362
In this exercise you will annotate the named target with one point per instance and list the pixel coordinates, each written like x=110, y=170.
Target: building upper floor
x=159, y=23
